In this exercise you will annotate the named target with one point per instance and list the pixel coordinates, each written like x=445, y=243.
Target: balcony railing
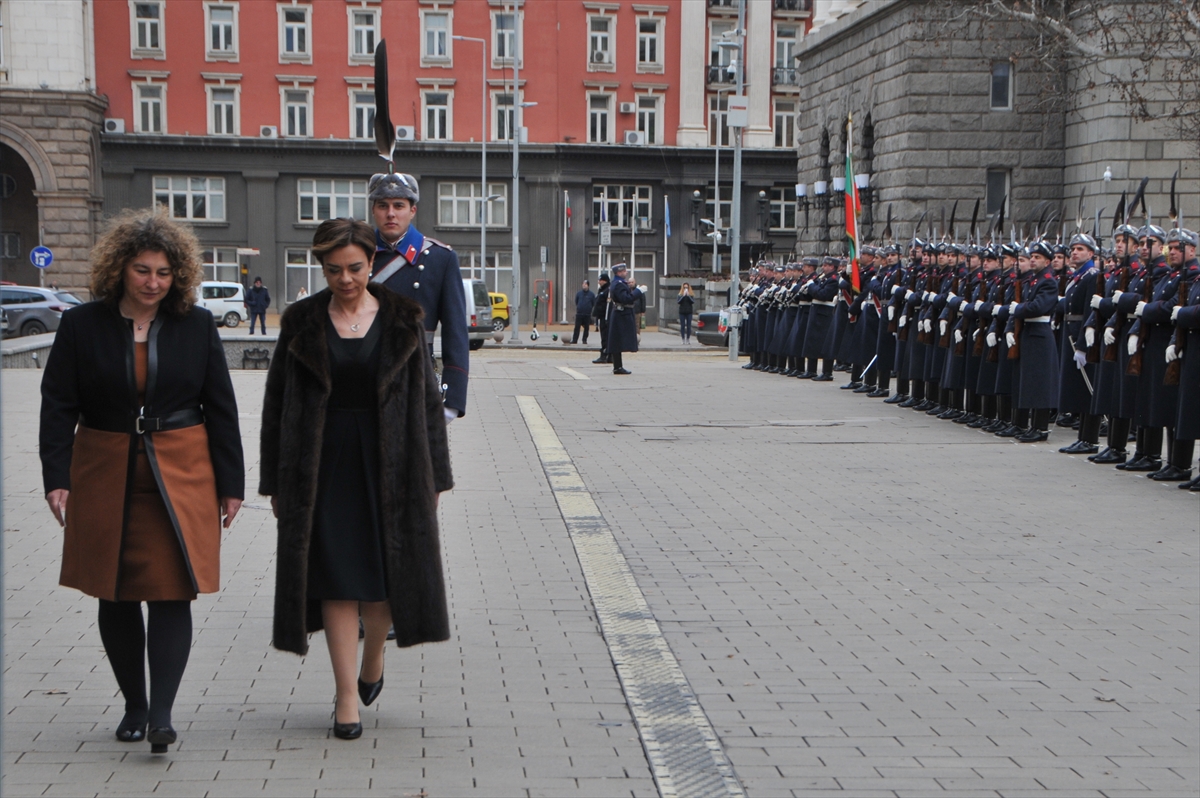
x=718, y=74
x=785, y=76
x=722, y=3
x=795, y=6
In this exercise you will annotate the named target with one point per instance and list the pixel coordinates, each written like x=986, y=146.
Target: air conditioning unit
x=114, y=125
x=268, y=132
x=635, y=137
x=599, y=57
x=406, y=133
x=627, y=108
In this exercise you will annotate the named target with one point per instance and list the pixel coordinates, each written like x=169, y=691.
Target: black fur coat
x=414, y=461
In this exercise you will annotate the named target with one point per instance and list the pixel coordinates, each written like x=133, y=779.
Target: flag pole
x=566, y=227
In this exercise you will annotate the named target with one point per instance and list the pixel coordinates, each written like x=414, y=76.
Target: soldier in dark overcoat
x=1074, y=391
x=622, y=321
x=1037, y=365
x=1187, y=320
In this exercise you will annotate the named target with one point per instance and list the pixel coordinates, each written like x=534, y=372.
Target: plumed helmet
x=1126, y=230
x=1153, y=231
x=395, y=185
x=890, y=249
x=1182, y=236
x=1084, y=240
x=918, y=242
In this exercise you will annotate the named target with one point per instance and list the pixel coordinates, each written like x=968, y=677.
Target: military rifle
x=1134, y=367
x=1014, y=351
x=1171, y=377
x=944, y=341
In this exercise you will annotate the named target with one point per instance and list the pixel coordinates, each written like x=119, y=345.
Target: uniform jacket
x=622, y=319
x=600, y=309
x=414, y=464
x=1073, y=308
x=1037, y=386
x=90, y=382
x=432, y=278
x=1187, y=424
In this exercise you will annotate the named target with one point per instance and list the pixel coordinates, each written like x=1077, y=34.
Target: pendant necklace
x=353, y=328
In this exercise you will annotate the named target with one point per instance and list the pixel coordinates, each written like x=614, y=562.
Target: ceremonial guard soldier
x=989, y=293
x=1100, y=339
x=910, y=356
x=866, y=305
x=1077, y=377
x=818, y=342
x=1035, y=381
x=1006, y=425
x=1185, y=348
x=803, y=300
x=885, y=340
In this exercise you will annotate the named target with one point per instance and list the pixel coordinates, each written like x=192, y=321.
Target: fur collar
x=304, y=322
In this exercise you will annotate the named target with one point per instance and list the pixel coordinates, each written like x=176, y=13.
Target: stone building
x=50, y=118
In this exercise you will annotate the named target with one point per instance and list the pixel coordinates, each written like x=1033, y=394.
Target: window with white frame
x=437, y=36
x=294, y=34
x=362, y=116
x=459, y=204
x=222, y=31
x=147, y=28
x=600, y=118
x=151, y=108
x=620, y=205
x=437, y=115
x=717, y=55
x=504, y=117
x=192, y=198
x=600, y=54
x=302, y=271
x=504, y=38
x=783, y=208
x=641, y=271
x=785, y=46
x=724, y=210
x=364, y=32
x=221, y=263
x=718, y=121
x=649, y=110
x=223, y=115
x=785, y=123
x=496, y=273
x=296, y=112
x=649, y=44
x=319, y=199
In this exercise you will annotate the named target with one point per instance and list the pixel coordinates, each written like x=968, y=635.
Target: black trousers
x=584, y=321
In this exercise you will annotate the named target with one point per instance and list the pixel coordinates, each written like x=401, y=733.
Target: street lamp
x=715, y=235
x=483, y=120
x=735, y=233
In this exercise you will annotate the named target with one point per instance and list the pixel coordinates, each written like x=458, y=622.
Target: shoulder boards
x=432, y=242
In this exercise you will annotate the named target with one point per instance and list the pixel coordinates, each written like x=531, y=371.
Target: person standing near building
x=600, y=315
x=1036, y=374
x=686, y=307
x=585, y=301
x=258, y=299
x=622, y=318
x=423, y=270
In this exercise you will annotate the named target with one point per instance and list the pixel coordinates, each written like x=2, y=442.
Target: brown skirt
x=152, y=566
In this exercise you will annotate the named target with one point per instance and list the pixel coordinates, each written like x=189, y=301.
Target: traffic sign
x=41, y=257
x=606, y=234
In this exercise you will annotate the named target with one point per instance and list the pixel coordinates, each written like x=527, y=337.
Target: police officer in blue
x=622, y=322
x=423, y=270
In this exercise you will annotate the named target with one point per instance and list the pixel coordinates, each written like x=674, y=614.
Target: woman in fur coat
x=354, y=455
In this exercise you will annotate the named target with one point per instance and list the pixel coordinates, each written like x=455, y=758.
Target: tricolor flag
x=853, y=209
x=666, y=216
x=567, y=203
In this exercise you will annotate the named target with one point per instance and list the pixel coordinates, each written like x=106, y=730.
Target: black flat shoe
x=132, y=729
x=907, y=401
x=622, y=371
x=160, y=737
x=347, y=731
x=823, y=378
x=1066, y=420
x=1172, y=474
x=878, y=393
x=978, y=423
x=964, y=418
x=1011, y=431
x=369, y=692
x=1111, y=457
x=1137, y=458
x=1102, y=453
x=1193, y=485
x=1033, y=436
x=1147, y=464
x=851, y=386
x=1080, y=447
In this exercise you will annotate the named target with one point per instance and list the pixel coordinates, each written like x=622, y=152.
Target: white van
x=479, y=312
x=226, y=301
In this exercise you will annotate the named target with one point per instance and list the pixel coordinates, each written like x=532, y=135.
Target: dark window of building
x=1001, y=85
x=997, y=189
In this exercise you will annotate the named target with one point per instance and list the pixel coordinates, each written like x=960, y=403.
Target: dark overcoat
x=1187, y=425
x=1073, y=393
x=823, y=291
x=1106, y=399
x=1036, y=381
x=1155, y=325
x=414, y=464
x=622, y=318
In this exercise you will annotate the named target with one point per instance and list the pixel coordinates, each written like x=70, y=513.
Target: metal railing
x=794, y=5
x=718, y=74
x=785, y=76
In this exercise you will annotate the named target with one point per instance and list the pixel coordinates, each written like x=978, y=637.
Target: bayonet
x=1174, y=212
x=887, y=228
x=1079, y=211
x=951, y=231
x=1140, y=196
x=943, y=220
x=1000, y=224
x=917, y=226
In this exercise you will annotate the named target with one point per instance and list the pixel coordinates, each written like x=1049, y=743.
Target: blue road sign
x=41, y=257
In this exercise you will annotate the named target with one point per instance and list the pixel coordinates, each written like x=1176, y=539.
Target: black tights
x=166, y=638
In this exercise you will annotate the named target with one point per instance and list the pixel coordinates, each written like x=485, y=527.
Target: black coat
x=1187, y=425
x=258, y=299
x=686, y=304
x=585, y=300
x=1075, y=306
x=414, y=464
x=1035, y=381
x=622, y=319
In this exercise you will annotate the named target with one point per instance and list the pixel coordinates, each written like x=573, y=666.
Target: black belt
x=622, y=307
x=141, y=424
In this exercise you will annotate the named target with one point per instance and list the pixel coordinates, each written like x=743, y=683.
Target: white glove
x=1131, y=347
x=974, y=334
x=897, y=289
x=1171, y=353
x=1012, y=307
x=451, y=413
x=891, y=313
x=928, y=325
x=903, y=320
x=908, y=294
x=1110, y=337
x=1175, y=313
x=1096, y=300
x=991, y=339
x=951, y=295
x=1080, y=359
x=978, y=304
x=1138, y=310
x=929, y=295
x=1089, y=337
x=942, y=325
x=1116, y=294
x=958, y=337
x=1010, y=339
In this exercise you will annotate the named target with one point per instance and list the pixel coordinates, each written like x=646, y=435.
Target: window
x=293, y=36
x=504, y=39
x=147, y=28
x=496, y=273
x=459, y=203
x=223, y=111
x=221, y=263
x=725, y=207
x=296, y=113
x=364, y=32
x=151, y=114
x=504, y=117
x=194, y=198
x=302, y=271
x=362, y=122
x=718, y=121
x=437, y=116
x=641, y=271
x=600, y=43
x=783, y=208
x=222, y=36
x=322, y=199
x=437, y=37
x=649, y=44
x=998, y=181
x=785, y=73
x=10, y=245
x=1001, y=86
x=620, y=205
x=600, y=118
x=785, y=123
x=648, y=118
x=717, y=55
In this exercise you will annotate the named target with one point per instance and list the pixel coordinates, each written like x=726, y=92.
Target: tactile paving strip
x=681, y=746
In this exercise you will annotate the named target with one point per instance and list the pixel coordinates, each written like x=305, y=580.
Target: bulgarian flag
x=853, y=209
x=567, y=204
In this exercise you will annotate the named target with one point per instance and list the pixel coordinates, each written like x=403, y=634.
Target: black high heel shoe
x=368, y=692
x=347, y=731
x=132, y=729
x=160, y=737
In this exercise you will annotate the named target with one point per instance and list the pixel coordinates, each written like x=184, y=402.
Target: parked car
x=3, y=322
x=67, y=297
x=226, y=301
x=707, y=329
x=31, y=310
x=479, y=312
x=499, y=310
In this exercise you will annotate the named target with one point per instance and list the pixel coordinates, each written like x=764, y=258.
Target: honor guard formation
x=1007, y=337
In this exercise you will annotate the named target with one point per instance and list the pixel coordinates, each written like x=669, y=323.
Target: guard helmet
x=393, y=185
x=1010, y=250
x=1182, y=236
x=1126, y=230
x=1043, y=249
x=1153, y=231
x=1085, y=240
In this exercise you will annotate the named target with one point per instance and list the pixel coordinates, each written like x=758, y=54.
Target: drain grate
x=681, y=746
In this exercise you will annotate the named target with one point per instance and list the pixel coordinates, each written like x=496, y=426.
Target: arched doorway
x=18, y=218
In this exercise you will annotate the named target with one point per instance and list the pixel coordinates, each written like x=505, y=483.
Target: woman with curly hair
x=142, y=456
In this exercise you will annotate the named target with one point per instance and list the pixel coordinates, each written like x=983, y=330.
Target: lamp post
x=483, y=120
x=736, y=223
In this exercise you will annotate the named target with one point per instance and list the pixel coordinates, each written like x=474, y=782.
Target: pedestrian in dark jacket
x=686, y=305
x=600, y=314
x=585, y=302
x=258, y=299
x=622, y=318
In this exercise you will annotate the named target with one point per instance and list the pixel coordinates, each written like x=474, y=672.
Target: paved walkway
x=862, y=601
